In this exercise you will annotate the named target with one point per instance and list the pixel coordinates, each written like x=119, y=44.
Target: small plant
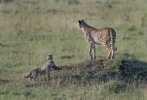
x=71, y=2
x=132, y=28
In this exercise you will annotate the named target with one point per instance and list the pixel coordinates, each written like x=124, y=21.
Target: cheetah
x=105, y=37
x=44, y=70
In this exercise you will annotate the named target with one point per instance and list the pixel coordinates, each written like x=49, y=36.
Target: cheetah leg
x=90, y=52
x=109, y=51
x=94, y=52
x=48, y=73
x=35, y=76
x=112, y=53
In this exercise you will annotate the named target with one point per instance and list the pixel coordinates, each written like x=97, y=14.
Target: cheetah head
x=81, y=23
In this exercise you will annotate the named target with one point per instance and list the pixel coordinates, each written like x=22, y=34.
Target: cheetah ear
x=79, y=21
x=82, y=20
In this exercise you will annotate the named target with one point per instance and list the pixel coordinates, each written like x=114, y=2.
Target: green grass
x=30, y=29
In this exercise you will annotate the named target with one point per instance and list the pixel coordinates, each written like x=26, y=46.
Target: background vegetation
x=31, y=29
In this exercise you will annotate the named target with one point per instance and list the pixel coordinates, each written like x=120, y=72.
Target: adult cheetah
x=105, y=37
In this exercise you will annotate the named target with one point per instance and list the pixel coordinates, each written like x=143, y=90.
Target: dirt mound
x=101, y=71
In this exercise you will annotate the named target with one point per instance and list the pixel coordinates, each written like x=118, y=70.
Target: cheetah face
x=81, y=22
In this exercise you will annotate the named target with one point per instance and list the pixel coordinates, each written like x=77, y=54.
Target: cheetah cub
x=44, y=70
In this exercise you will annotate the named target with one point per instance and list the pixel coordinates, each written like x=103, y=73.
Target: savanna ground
x=31, y=29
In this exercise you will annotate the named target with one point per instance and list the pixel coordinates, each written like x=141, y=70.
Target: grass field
x=31, y=29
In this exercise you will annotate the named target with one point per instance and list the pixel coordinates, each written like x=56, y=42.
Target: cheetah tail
x=113, y=36
x=115, y=49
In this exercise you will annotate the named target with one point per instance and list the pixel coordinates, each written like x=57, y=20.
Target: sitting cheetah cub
x=44, y=70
